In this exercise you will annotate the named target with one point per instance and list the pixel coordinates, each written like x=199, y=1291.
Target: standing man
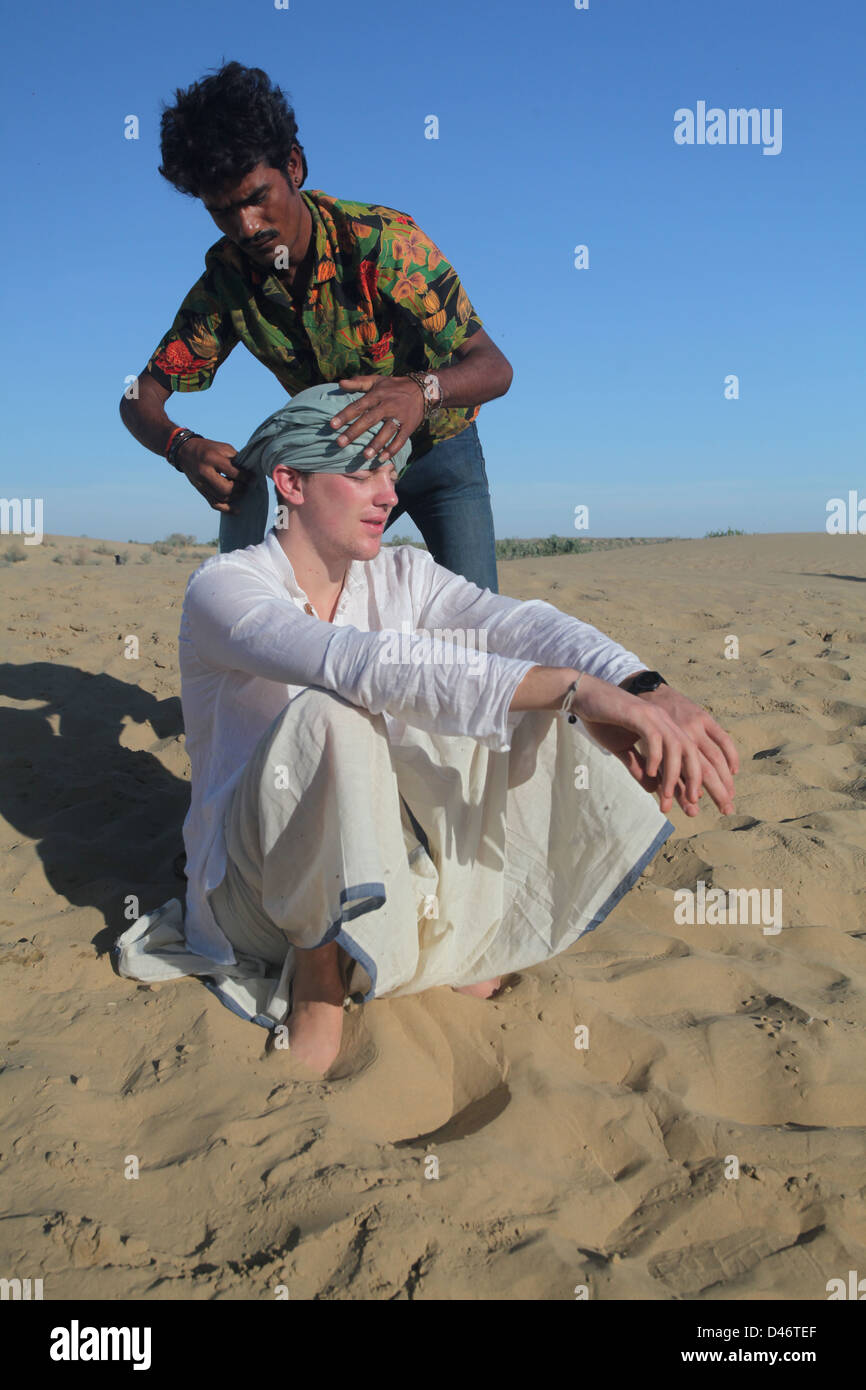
x=320, y=290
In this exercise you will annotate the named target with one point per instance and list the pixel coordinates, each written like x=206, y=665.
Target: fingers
x=654, y=751
x=220, y=492
x=354, y=416
x=233, y=474
x=669, y=759
x=723, y=779
x=396, y=443
x=670, y=771
x=358, y=383
x=388, y=432
x=726, y=743
x=687, y=799
x=720, y=792
x=693, y=771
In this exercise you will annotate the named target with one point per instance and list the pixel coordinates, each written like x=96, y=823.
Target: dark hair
x=222, y=127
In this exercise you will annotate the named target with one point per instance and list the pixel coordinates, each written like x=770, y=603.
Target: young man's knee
x=314, y=707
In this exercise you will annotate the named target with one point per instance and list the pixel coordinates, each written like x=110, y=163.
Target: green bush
x=404, y=540
x=514, y=548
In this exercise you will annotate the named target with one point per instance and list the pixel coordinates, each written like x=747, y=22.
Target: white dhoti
x=432, y=860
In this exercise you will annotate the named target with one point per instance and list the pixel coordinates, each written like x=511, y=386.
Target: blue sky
x=556, y=128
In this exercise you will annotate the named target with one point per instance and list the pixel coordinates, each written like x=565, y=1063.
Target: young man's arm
x=235, y=620
x=536, y=630
x=530, y=629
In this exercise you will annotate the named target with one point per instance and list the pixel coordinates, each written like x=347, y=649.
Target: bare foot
x=480, y=991
x=316, y=1021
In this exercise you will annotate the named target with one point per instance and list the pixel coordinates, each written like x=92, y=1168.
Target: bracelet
x=418, y=378
x=178, y=429
x=175, y=443
x=565, y=707
x=429, y=407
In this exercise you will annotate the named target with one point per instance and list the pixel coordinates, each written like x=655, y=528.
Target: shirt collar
x=356, y=575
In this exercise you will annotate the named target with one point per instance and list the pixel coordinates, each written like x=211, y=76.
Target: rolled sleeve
x=529, y=629
x=198, y=342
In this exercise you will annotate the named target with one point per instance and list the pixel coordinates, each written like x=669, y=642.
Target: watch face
x=646, y=681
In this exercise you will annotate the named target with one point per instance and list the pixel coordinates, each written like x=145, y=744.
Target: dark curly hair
x=222, y=127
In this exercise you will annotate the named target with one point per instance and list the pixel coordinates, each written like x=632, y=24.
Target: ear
x=288, y=484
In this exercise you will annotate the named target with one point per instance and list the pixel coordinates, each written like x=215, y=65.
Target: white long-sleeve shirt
x=249, y=642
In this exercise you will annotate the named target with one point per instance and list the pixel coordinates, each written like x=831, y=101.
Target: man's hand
x=649, y=743
x=387, y=398
x=719, y=759
x=207, y=464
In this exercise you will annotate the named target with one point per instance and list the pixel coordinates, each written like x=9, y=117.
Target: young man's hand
x=719, y=759
x=208, y=465
x=672, y=759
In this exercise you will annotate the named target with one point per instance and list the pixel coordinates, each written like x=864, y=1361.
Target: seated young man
x=399, y=780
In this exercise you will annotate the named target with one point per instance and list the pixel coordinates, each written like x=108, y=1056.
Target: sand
x=712, y=1048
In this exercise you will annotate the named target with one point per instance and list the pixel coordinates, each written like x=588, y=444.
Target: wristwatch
x=432, y=389
x=643, y=682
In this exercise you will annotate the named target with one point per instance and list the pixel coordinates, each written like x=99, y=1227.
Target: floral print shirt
x=381, y=298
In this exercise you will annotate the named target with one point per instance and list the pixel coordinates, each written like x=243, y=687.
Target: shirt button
x=308, y=608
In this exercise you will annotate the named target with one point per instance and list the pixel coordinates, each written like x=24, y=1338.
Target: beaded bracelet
x=565, y=707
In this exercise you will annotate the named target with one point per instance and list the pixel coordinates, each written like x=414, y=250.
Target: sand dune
x=557, y=1166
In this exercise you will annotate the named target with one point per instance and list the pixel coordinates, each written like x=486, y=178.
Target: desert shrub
x=730, y=532
x=404, y=540
x=12, y=554
x=514, y=547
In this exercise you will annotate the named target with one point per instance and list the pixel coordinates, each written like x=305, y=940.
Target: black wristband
x=643, y=683
x=176, y=444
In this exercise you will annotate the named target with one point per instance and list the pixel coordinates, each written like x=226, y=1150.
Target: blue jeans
x=445, y=493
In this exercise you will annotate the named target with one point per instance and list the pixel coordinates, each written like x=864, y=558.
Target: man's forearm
x=145, y=418
x=480, y=376
x=543, y=687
